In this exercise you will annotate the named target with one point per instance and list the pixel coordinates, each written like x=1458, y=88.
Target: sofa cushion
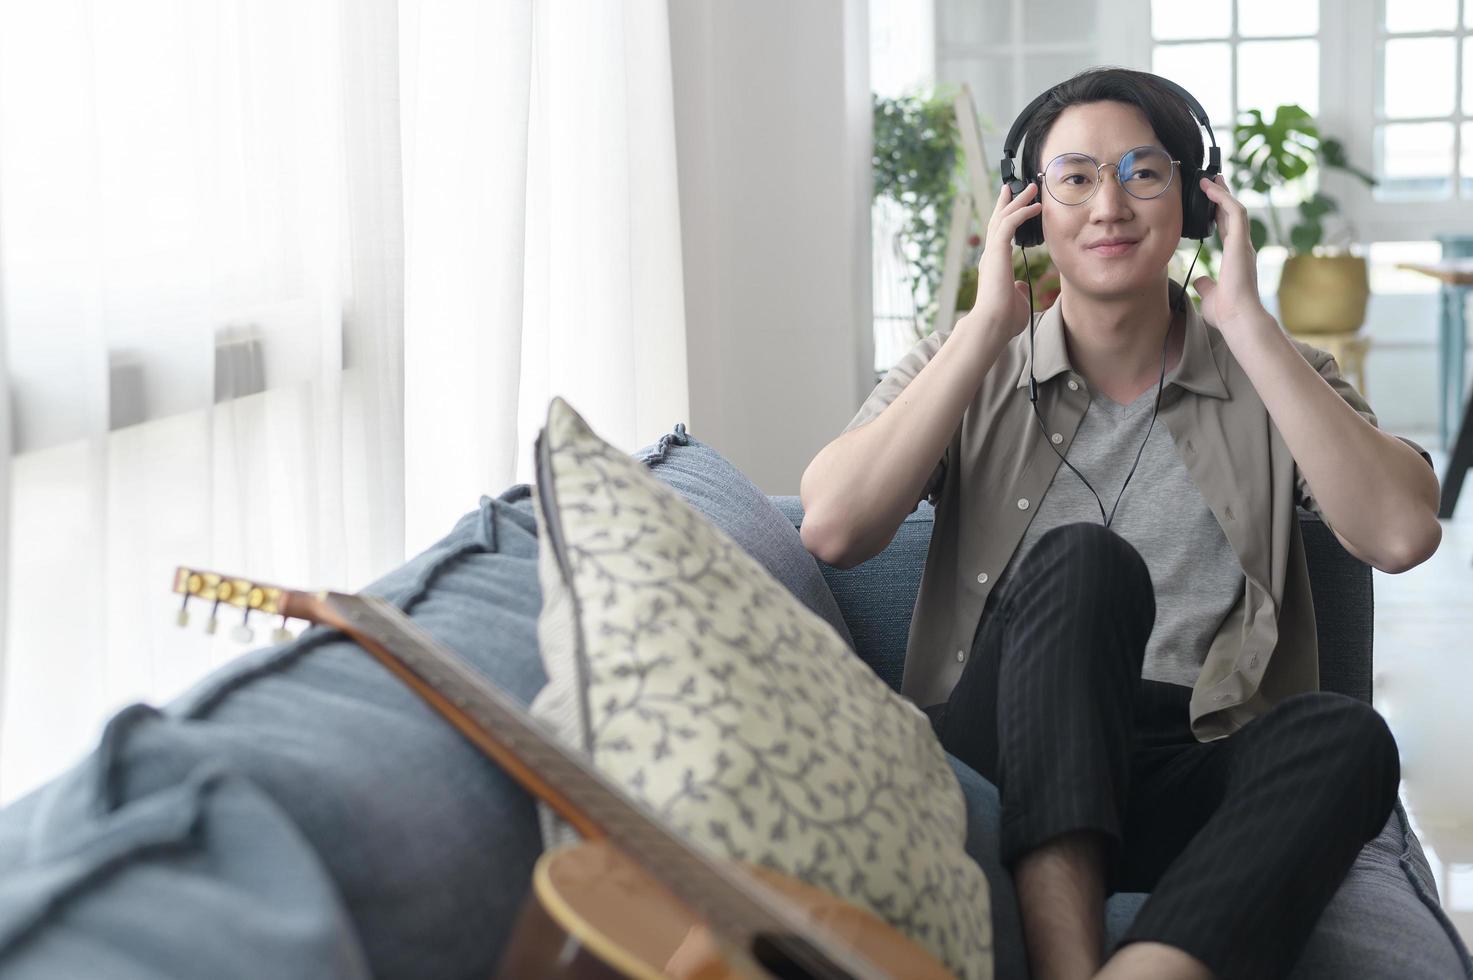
x=422, y=847
x=208, y=878
x=693, y=678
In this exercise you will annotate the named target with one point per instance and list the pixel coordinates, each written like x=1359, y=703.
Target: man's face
x=1105, y=131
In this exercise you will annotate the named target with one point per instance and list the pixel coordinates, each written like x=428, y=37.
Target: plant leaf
x=1257, y=233
x=1305, y=236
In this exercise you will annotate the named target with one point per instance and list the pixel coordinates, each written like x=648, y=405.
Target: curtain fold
x=284, y=287
x=543, y=224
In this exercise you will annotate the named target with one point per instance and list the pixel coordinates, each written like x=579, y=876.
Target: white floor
x=1424, y=676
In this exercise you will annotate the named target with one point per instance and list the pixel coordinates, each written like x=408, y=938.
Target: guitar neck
x=732, y=903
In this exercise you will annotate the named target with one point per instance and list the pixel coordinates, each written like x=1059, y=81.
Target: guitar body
x=593, y=913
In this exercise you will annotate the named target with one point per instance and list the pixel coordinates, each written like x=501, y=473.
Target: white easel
x=970, y=199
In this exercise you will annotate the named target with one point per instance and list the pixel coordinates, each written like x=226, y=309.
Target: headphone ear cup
x=1030, y=233
x=1198, y=212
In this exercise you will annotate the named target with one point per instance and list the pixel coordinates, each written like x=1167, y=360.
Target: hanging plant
x=918, y=164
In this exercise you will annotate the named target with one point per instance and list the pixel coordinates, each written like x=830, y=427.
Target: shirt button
x=1073, y=385
x=982, y=578
x=1022, y=503
x=961, y=655
x=1189, y=446
x=1056, y=438
x=1228, y=514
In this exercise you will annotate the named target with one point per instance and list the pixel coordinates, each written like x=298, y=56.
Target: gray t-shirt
x=1195, y=573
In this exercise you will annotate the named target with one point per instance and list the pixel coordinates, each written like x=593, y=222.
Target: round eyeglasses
x=1144, y=172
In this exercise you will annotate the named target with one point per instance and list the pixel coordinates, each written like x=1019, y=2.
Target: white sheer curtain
x=284, y=286
x=544, y=232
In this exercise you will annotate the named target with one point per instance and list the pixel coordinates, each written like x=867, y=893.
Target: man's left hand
x=1231, y=303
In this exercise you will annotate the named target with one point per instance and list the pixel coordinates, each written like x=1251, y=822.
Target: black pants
x=1241, y=841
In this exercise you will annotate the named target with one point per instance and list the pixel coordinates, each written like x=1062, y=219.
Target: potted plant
x=1322, y=290
x=918, y=164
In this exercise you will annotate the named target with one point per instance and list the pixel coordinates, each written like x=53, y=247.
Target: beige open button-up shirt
x=997, y=467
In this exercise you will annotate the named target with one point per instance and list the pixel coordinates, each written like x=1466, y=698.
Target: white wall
x=773, y=132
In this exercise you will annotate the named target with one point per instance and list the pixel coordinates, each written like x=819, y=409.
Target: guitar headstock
x=247, y=595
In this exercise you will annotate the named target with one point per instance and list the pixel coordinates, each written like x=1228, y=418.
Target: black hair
x=1169, y=116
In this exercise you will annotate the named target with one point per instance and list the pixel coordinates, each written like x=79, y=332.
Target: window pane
x=1040, y=71
x=1417, y=79
x=1278, y=18
x=1424, y=15
x=1171, y=19
x=974, y=22
x=1274, y=73
x=1468, y=72
x=1465, y=168
x=1414, y=161
x=1202, y=69
x=1059, y=21
x=902, y=49
x=992, y=90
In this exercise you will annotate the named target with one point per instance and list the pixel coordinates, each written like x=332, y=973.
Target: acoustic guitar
x=631, y=899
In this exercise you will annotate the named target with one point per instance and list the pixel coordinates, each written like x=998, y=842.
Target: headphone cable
x=1156, y=407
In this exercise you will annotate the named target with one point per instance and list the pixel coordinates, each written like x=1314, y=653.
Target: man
x=1143, y=683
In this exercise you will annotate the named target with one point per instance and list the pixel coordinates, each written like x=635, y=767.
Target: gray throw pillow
x=734, y=505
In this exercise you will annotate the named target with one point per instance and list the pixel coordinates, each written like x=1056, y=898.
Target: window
x=1421, y=140
x=1236, y=55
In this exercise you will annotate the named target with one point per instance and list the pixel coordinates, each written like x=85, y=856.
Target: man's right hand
x=1002, y=301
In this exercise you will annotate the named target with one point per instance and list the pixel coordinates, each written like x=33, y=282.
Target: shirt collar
x=1197, y=371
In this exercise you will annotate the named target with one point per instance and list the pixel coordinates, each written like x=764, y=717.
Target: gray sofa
x=300, y=813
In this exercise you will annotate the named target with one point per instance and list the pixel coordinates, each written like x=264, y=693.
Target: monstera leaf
x=1272, y=153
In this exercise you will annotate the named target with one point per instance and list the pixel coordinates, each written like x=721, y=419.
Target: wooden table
x=1458, y=275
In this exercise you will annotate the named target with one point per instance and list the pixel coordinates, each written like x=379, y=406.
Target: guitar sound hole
x=794, y=958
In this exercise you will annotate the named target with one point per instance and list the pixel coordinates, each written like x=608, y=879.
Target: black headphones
x=1198, y=211
x=1198, y=214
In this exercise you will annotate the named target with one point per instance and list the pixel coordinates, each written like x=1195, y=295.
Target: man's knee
x=1107, y=559
x=1358, y=744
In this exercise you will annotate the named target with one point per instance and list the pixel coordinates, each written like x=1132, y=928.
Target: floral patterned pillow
x=695, y=679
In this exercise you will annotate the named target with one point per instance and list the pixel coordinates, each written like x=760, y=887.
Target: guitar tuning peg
x=182, y=617
x=281, y=634
x=214, y=622
x=243, y=633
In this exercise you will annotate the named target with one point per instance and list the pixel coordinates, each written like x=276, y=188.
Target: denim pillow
x=734, y=505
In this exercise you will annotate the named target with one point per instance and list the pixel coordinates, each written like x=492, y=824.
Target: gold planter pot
x=1324, y=293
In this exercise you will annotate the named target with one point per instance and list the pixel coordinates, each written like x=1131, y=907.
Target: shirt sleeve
x=891, y=385
x=1329, y=369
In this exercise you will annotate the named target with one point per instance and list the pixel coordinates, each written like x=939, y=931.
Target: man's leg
x=1044, y=710
x=1293, y=797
